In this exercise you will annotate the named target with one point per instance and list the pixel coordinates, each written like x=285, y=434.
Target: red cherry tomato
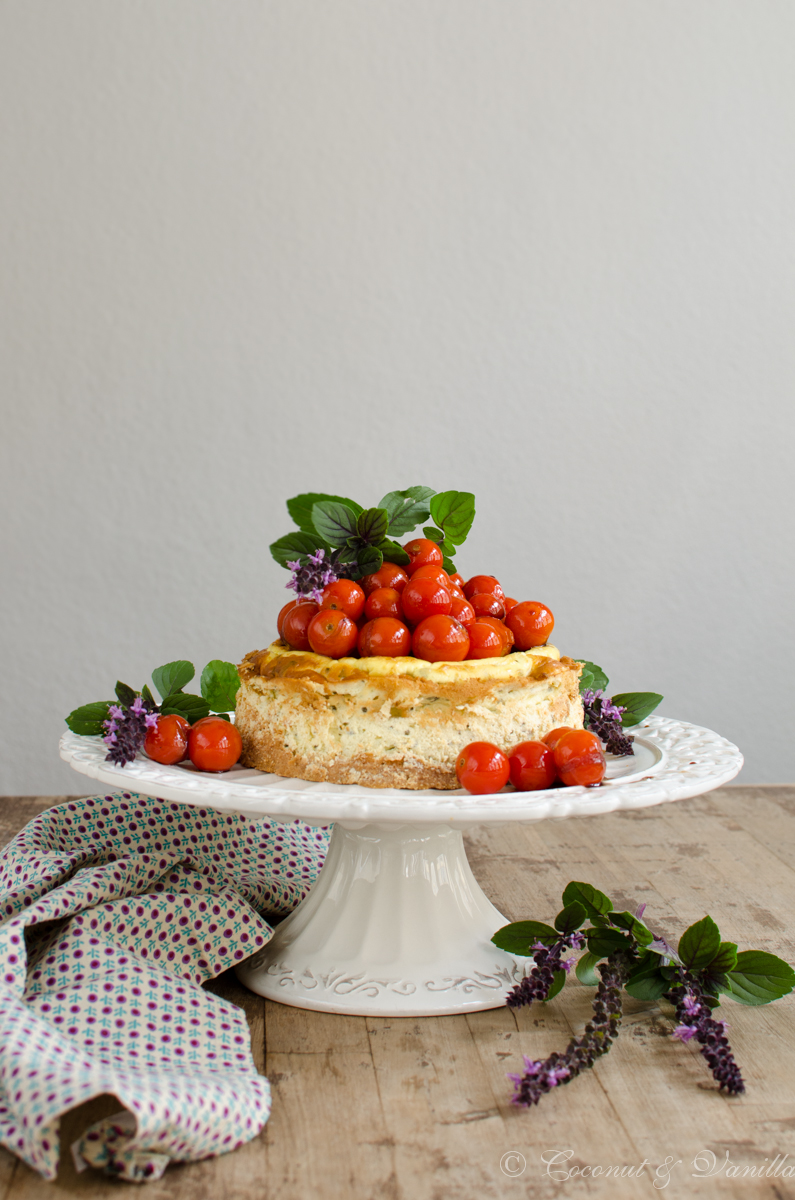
x=554, y=735
x=510, y=603
x=425, y=598
x=431, y=571
x=167, y=742
x=383, y=602
x=389, y=575
x=484, y=641
x=384, y=636
x=344, y=595
x=502, y=630
x=486, y=604
x=333, y=633
x=483, y=584
x=422, y=552
x=532, y=767
x=531, y=624
x=440, y=639
x=580, y=759
x=462, y=610
x=482, y=768
x=457, y=579
x=296, y=622
x=289, y=606
x=214, y=744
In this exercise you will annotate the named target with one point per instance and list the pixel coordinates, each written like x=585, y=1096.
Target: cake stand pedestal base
x=395, y=926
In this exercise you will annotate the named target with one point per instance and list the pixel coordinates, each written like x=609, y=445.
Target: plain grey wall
x=540, y=251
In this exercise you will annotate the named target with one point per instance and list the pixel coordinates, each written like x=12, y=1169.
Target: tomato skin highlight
x=332, y=633
x=383, y=602
x=554, y=735
x=483, y=585
x=462, y=610
x=482, y=768
x=440, y=639
x=431, y=571
x=484, y=641
x=502, y=631
x=167, y=742
x=389, y=575
x=486, y=604
x=214, y=744
x=289, y=606
x=425, y=598
x=422, y=552
x=296, y=624
x=384, y=636
x=531, y=624
x=345, y=595
x=579, y=759
x=532, y=767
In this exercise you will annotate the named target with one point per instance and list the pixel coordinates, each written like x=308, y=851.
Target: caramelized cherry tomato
x=554, y=735
x=462, y=610
x=214, y=744
x=484, y=641
x=531, y=624
x=440, y=639
x=532, y=767
x=383, y=602
x=482, y=768
x=486, y=604
x=344, y=595
x=483, y=584
x=389, y=575
x=510, y=603
x=289, y=606
x=296, y=622
x=457, y=579
x=425, y=598
x=167, y=742
x=423, y=552
x=502, y=630
x=333, y=633
x=580, y=759
x=431, y=571
x=384, y=636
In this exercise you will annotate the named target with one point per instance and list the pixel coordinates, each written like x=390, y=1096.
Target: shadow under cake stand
x=396, y=924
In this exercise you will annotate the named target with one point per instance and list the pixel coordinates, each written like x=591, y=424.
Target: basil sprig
x=218, y=685
x=638, y=705
x=361, y=539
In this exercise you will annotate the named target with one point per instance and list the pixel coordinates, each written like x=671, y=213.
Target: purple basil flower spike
x=309, y=578
x=603, y=718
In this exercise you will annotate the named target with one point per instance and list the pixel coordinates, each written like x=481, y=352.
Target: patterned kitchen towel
x=113, y=911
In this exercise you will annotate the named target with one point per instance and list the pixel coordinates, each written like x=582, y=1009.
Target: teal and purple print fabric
x=113, y=912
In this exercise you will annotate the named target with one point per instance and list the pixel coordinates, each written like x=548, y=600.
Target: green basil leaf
x=349, y=554
x=585, y=969
x=335, y=522
x=192, y=708
x=300, y=507
x=394, y=553
x=124, y=693
x=295, y=546
x=519, y=936
x=725, y=959
x=760, y=978
x=594, y=902
x=88, y=719
x=406, y=509
x=558, y=980
x=448, y=565
x=372, y=525
x=173, y=676
x=147, y=695
x=571, y=917
x=369, y=560
x=627, y=920
x=699, y=944
x=638, y=705
x=219, y=685
x=454, y=512
x=650, y=984
x=433, y=534
x=602, y=942
x=592, y=677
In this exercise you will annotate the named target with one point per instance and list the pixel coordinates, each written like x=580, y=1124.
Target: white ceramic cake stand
x=396, y=924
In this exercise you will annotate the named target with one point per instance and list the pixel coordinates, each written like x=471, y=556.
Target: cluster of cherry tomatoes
x=573, y=756
x=419, y=610
x=212, y=744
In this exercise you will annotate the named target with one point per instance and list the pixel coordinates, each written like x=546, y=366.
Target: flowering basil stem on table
x=623, y=954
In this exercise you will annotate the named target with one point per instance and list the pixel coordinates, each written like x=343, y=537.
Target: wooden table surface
x=418, y=1108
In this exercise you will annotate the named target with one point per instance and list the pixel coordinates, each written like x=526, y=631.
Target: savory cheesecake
x=395, y=722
